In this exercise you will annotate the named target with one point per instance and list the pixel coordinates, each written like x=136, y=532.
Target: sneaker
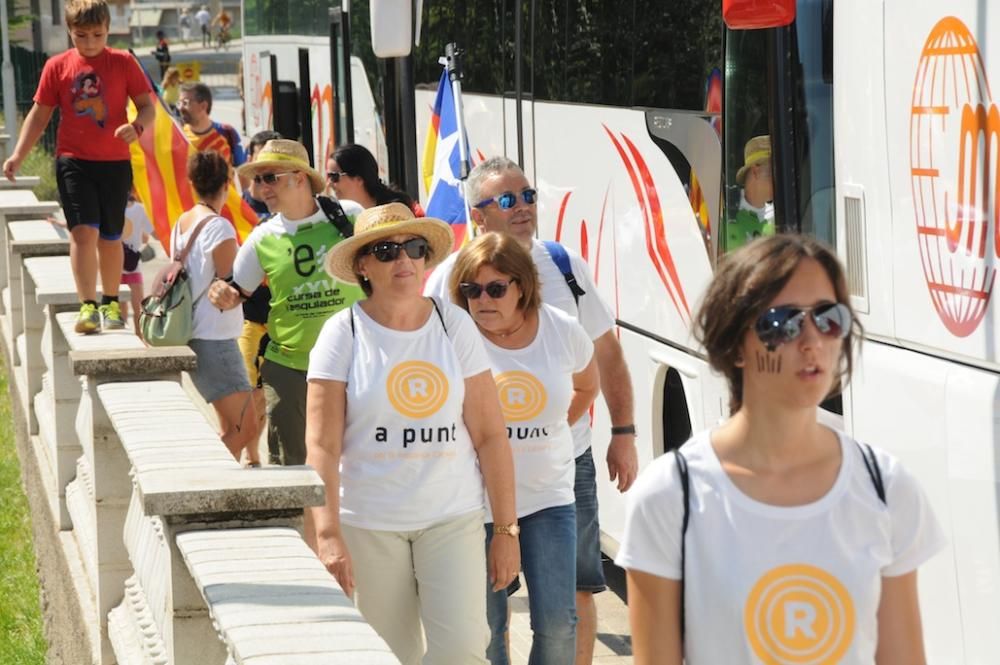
x=111, y=316
x=89, y=321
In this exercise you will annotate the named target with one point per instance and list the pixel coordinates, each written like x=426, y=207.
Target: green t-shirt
x=745, y=228
x=303, y=295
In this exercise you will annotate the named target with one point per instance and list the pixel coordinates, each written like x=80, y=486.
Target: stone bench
x=17, y=205
x=274, y=603
x=183, y=479
x=97, y=500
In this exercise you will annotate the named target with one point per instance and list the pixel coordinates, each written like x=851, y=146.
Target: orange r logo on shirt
x=799, y=614
x=417, y=389
x=522, y=396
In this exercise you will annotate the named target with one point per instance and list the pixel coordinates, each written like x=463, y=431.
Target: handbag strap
x=190, y=243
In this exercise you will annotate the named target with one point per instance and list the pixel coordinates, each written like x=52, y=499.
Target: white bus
x=886, y=145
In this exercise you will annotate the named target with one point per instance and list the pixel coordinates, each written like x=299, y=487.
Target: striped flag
x=442, y=164
x=159, y=174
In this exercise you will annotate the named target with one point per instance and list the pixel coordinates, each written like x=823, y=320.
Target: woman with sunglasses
x=546, y=375
x=773, y=538
x=404, y=425
x=352, y=175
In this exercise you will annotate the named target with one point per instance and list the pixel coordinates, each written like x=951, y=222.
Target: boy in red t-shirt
x=91, y=85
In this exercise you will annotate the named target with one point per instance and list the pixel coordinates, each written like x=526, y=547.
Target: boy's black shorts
x=94, y=194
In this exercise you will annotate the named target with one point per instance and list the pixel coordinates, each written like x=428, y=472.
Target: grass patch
x=41, y=163
x=22, y=641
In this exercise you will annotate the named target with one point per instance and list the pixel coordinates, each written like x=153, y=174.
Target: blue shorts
x=589, y=568
x=220, y=369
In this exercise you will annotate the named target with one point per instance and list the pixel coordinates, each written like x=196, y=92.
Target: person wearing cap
x=755, y=217
x=288, y=249
x=405, y=427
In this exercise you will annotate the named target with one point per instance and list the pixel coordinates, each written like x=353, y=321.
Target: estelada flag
x=159, y=174
x=442, y=164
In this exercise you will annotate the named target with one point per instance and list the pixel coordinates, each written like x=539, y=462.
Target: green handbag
x=166, y=317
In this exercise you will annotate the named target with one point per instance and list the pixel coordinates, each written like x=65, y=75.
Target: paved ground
x=613, y=640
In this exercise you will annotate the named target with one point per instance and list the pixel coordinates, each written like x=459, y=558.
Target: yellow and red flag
x=159, y=174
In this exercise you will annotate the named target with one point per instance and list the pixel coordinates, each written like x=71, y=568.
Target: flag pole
x=453, y=63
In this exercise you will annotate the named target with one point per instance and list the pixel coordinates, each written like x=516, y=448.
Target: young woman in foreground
x=772, y=538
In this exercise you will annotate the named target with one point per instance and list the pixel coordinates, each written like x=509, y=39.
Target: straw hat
x=381, y=222
x=756, y=151
x=285, y=154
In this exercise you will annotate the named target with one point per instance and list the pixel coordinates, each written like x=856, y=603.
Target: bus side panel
x=861, y=162
x=943, y=121
x=648, y=360
x=940, y=419
x=609, y=192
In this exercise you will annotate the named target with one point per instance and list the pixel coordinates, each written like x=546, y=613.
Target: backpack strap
x=335, y=213
x=874, y=472
x=190, y=243
x=561, y=258
x=682, y=469
x=437, y=310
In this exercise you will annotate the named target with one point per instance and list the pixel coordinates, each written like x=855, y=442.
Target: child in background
x=171, y=89
x=134, y=236
x=162, y=52
x=91, y=85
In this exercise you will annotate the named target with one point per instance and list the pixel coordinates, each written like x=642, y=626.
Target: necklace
x=509, y=332
x=210, y=207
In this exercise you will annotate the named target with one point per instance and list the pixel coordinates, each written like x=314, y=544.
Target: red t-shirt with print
x=91, y=94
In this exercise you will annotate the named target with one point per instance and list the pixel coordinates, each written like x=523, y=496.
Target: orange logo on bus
x=955, y=175
x=417, y=389
x=799, y=614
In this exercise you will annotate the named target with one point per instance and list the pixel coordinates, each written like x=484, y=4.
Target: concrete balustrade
x=154, y=545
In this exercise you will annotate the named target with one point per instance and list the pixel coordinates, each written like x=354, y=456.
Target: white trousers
x=427, y=583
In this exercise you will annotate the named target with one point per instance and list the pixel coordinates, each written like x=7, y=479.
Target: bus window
x=749, y=189
x=808, y=85
x=280, y=17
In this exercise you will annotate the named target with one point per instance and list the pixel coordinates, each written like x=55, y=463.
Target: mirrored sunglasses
x=508, y=200
x=780, y=325
x=496, y=289
x=386, y=250
x=270, y=178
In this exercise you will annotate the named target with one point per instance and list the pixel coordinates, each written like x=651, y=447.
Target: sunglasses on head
x=387, y=250
x=508, y=200
x=270, y=178
x=496, y=289
x=780, y=325
x=334, y=176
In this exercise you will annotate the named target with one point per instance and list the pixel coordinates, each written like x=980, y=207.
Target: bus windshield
x=787, y=71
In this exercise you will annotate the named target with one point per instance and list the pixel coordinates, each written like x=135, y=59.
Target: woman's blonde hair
x=745, y=283
x=504, y=254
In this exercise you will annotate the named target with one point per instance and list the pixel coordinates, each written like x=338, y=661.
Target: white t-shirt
x=408, y=461
x=766, y=583
x=592, y=313
x=136, y=214
x=203, y=17
x=535, y=385
x=209, y=322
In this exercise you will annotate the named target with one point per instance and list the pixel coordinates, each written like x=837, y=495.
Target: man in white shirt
x=204, y=18
x=502, y=200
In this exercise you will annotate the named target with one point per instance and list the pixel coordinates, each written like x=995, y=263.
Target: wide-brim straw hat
x=756, y=151
x=381, y=222
x=285, y=154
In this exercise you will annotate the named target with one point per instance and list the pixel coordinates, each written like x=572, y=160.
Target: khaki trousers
x=428, y=583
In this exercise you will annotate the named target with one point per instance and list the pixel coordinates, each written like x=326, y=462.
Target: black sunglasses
x=386, y=250
x=780, y=325
x=334, y=176
x=270, y=178
x=496, y=289
x=508, y=200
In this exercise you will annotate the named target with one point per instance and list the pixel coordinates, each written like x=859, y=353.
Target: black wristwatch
x=623, y=429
